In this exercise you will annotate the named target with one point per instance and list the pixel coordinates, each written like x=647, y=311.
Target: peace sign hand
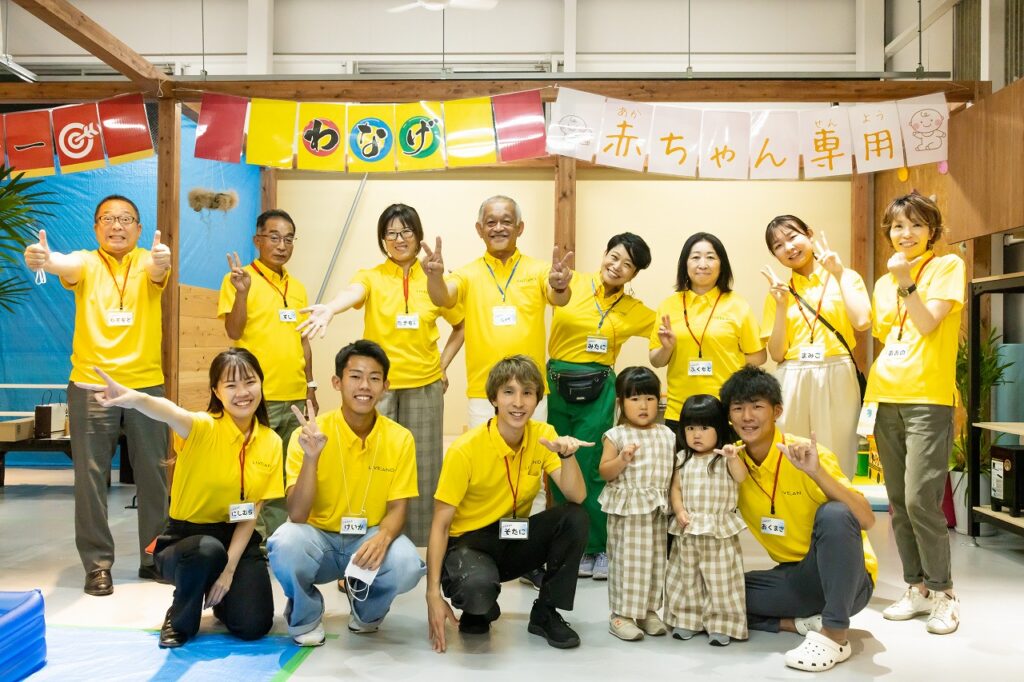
x=240, y=278
x=110, y=393
x=311, y=439
x=828, y=258
x=38, y=255
x=665, y=333
x=777, y=288
x=561, y=273
x=160, y=253
x=432, y=262
x=804, y=456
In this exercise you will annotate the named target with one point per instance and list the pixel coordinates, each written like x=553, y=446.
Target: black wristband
x=561, y=456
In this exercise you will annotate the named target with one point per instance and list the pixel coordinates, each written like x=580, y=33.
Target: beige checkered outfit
x=637, y=503
x=704, y=587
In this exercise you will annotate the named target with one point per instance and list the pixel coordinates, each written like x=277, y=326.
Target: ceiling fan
x=441, y=5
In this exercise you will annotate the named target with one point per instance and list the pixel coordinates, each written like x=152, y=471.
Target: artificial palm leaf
x=19, y=210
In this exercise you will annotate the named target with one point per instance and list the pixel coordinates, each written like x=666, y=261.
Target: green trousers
x=588, y=422
x=274, y=512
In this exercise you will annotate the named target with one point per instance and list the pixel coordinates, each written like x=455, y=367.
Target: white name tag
x=514, y=529
x=353, y=525
x=866, y=421
x=812, y=352
x=287, y=315
x=772, y=526
x=409, y=321
x=243, y=511
x=699, y=368
x=120, y=318
x=503, y=315
x=896, y=352
x=597, y=344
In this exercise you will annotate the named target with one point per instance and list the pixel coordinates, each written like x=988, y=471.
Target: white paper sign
x=877, y=141
x=675, y=141
x=774, y=151
x=625, y=128
x=575, y=124
x=725, y=144
x=825, y=142
x=925, y=124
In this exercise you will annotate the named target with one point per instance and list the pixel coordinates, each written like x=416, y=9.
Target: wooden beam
x=565, y=203
x=268, y=189
x=168, y=186
x=73, y=24
x=64, y=91
x=861, y=251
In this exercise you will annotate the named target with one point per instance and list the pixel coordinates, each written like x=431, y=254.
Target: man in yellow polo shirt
x=809, y=518
x=504, y=294
x=259, y=304
x=117, y=291
x=350, y=474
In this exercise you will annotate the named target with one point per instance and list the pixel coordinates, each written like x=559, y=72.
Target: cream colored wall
x=663, y=211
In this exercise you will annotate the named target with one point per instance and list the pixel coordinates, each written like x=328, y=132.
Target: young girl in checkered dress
x=637, y=463
x=704, y=588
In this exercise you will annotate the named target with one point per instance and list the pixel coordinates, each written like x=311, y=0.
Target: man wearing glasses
x=117, y=291
x=260, y=305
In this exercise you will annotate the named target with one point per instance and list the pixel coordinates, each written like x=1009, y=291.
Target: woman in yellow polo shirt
x=916, y=314
x=706, y=331
x=401, y=318
x=228, y=462
x=809, y=321
x=586, y=337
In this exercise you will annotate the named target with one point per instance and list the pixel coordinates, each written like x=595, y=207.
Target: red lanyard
x=124, y=285
x=405, y=290
x=775, y=485
x=515, y=491
x=241, y=466
x=686, y=319
x=903, y=319
x=817, y=311
x=284, y=294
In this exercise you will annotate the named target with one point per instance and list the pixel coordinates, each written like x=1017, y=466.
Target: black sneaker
x=478, y=624
x=549, y=624
x=533, y=578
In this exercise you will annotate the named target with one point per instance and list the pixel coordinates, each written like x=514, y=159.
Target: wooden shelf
x=1016, y=428
x=1001, y=519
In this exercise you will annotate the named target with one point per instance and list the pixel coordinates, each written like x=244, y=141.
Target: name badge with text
x=866, y=421
x=812, y=352
x=773, y=526
x=514, y=529
x=896, y=352
x=287, y=315
x=597, y=344
x=243, y=511
x=120, y=318
x=503, y=315
x=353, y=525
x=699, y=368
x=408, y=321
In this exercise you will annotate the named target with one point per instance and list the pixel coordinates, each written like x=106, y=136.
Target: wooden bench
x=126, y=475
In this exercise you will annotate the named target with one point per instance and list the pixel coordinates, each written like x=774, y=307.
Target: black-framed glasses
x=405, y=233
x=276, y=239
x=124, y=220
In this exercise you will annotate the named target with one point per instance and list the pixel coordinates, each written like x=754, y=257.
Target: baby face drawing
x=926, y=121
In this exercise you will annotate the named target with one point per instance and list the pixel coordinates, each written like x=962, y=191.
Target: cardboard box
x=17, y=429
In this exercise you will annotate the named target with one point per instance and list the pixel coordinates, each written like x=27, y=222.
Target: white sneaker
x=945, y=616
x=817, y=653
x=808, y=624
x=314, y=637
x=910, y=605
x=356, y=624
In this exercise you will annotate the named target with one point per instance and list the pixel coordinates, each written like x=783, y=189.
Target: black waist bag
x=580, y=387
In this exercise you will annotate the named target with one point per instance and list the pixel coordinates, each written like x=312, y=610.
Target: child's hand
x=628, y=453
x=730, y=451
x=682, y=518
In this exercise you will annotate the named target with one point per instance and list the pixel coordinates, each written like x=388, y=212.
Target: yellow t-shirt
x=474, y=479
x=356, y=477
x=580, y=319
x=730, y=335
x=797, y=499
x=927, y=374
x=275, y=344
x=208, y=469
x=130, y=354
x=820, y=286
x=412, y=350
x=524, y=281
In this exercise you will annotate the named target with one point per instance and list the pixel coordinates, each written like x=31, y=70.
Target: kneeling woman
x=228, y=461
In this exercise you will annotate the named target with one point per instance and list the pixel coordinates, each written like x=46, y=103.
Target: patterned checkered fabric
x=642, y=487
x=709, y=497
x=704, y=587
x=637, y=545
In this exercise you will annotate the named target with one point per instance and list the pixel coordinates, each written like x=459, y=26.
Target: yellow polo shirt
x=731, y=333
x=209, y=465
x=480, y=284
x=820, y=286
x=928, y=373
x=796, y=502
x=474, y=479
x=356, y=477
x=129, y=354
x=415, y=358
x=275, y=344
x=572, y=324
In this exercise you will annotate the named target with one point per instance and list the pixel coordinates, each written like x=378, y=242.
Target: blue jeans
x=302, y=557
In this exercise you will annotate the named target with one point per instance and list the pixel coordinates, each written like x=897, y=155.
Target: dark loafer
x=169, y=637
x=98, y=583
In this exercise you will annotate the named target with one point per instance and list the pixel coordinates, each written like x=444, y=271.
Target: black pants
x=831, y=579
x=192, y=556
x=477, y=562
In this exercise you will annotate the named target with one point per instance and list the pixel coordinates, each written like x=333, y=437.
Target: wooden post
x=565, y=203
x=268, y=189
x=862, y=240
x=168, y=183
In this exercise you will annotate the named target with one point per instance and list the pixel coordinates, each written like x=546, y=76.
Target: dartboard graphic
x=76, y=139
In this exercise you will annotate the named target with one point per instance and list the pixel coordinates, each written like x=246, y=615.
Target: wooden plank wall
x=201, y=336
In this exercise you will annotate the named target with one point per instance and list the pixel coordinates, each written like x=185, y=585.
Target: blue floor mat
x=114, y=654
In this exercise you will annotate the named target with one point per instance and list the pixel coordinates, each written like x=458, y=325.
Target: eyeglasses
x=124, y=220
x=406, y=234
x=276, y=239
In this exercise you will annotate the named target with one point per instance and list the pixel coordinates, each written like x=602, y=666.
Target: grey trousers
x=94, y=433
x=914, y=444
x=274, y=513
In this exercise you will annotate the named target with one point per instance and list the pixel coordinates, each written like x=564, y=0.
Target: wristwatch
x=903, y=293
x=312, y=384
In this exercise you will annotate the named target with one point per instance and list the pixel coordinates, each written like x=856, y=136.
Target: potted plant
x=19, y=207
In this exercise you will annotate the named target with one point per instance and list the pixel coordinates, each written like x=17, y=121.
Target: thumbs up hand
x=37, y=256
x=160, y=253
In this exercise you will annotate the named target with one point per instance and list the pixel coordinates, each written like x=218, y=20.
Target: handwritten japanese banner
x=575, y=124
x=420, y=136
x=675, y=141
x=877, y=142
x=371, y=138
x=925, y=124
x=724, y=144
x=825, y=142
x=774, y=150
x=321, y=137
x=624, y=130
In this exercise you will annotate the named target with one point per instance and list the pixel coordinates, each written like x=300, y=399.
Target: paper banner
x=925, y=124
x=371, y=138
x=76, y=132
x=321, y=139
x=575, y=124
x=420, y=136
x=125, y=129
x=675, y=141
x=825, y=142
x=877, y=142
x=469, y=132
x=774, y=151
x=725, y=144
x=625, y=129
x=519, y=125
x=221, y=128
x=271, y=137
x=29, y=143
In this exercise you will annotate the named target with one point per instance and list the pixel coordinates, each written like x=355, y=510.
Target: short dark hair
x=363, y=348
x=116, y=197
x=236, y=362
x=749, y=384
x=703, y=410
x=635, y=246
x=781, y=221
x=522, y=368
x=637, y=380
x=262, y=219
x=917, y=208
x=408, y=217
x=724, y=283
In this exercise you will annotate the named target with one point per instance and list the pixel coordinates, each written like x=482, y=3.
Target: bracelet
x=312, y=384
x=561, y=456
x=559, y=291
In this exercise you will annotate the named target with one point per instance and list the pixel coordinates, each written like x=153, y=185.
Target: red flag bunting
x=125, y=128
x=29, y=142
x=76, y=133
x=221, y=128
x=519, y=123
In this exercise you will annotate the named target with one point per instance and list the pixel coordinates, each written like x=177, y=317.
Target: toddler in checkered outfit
x=637, y=463
x=704, y=589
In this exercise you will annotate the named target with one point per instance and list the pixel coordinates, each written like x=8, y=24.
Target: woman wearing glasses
x=399, y=315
